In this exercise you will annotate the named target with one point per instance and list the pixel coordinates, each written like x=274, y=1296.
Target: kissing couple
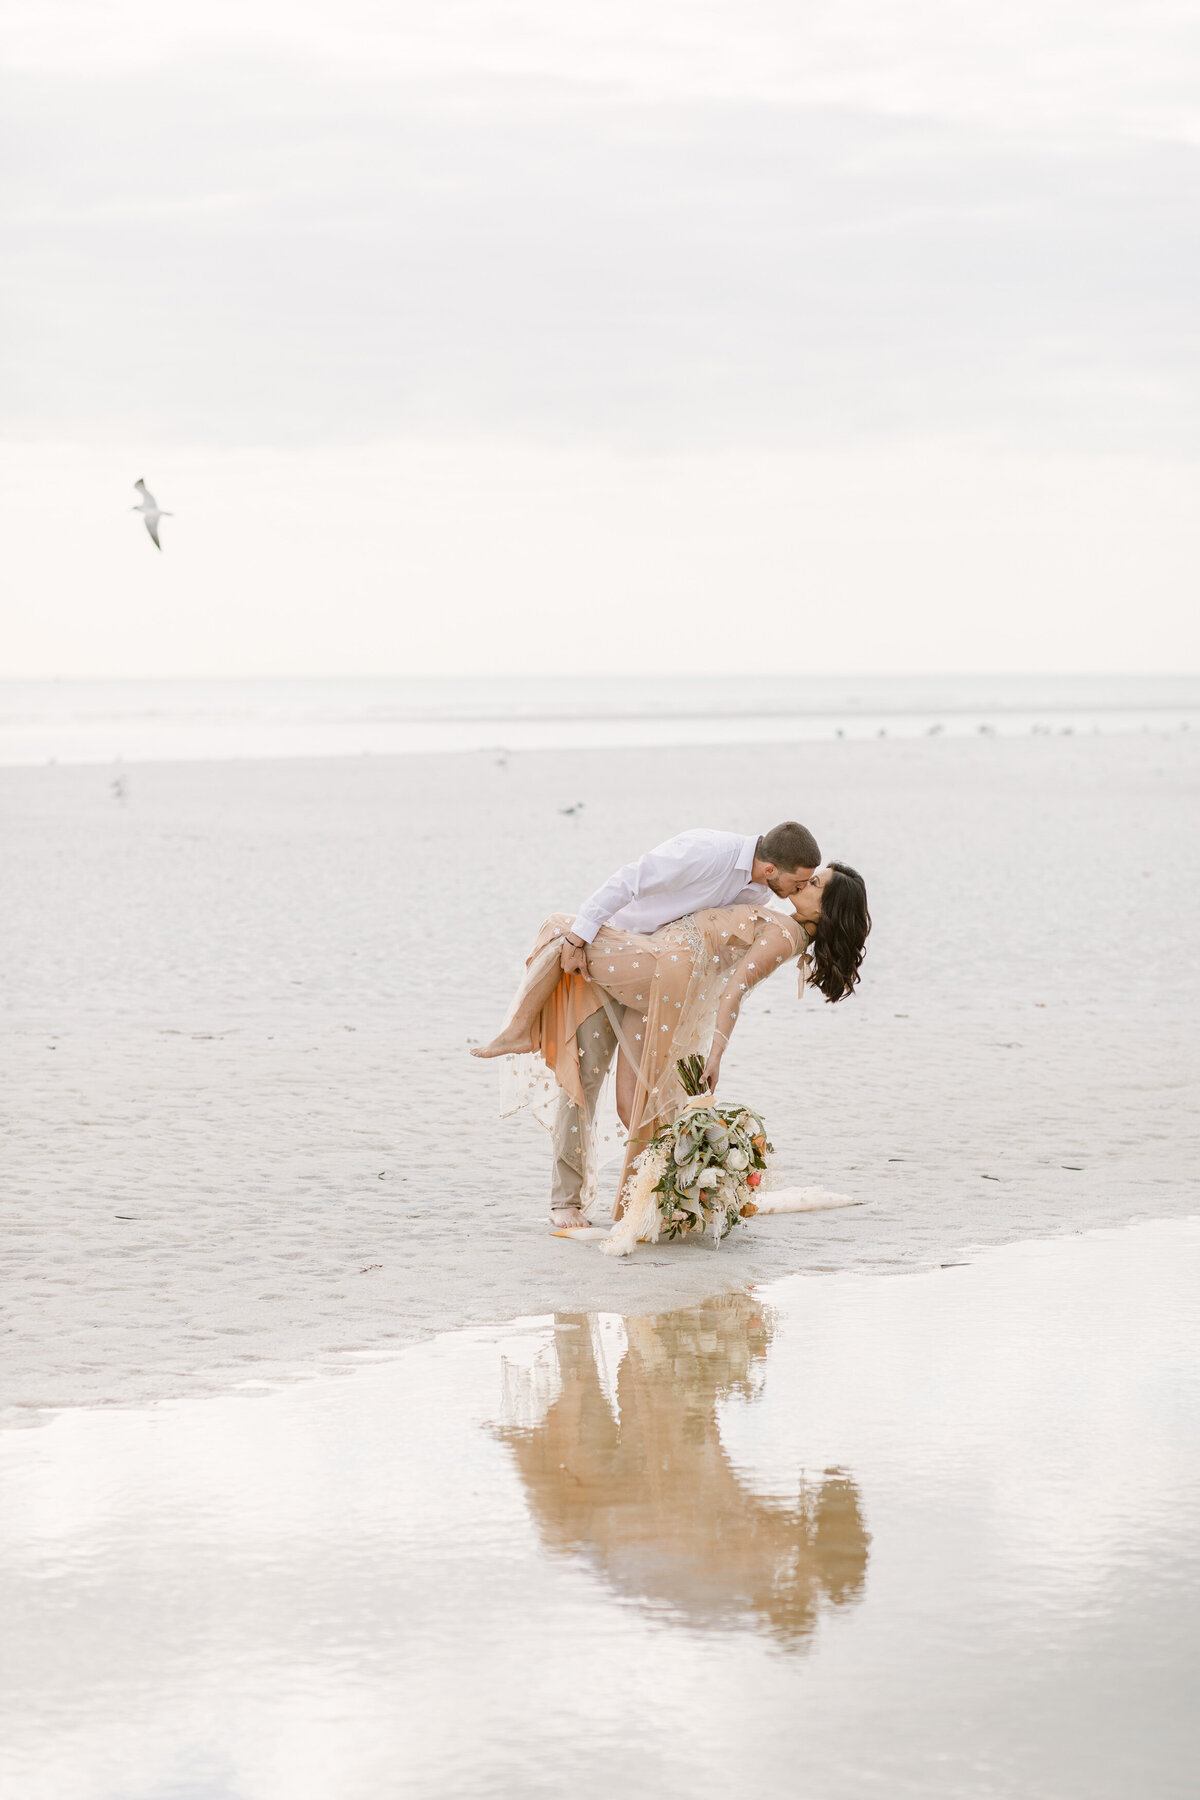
x=656, y=966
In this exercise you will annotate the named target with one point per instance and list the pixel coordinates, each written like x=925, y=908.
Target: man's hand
x=574, y=958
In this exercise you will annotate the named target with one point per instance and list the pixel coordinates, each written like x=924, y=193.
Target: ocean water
x=190, y=720
x=933, y=1536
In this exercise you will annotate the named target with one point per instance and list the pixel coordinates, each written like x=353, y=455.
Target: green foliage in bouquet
x=711, y=1160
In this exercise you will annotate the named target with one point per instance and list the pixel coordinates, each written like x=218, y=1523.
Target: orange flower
x=753, y=1179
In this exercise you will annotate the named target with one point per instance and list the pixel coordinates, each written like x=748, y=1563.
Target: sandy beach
x=244, y=1138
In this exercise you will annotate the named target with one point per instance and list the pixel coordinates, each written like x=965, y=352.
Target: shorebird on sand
x=150, y=511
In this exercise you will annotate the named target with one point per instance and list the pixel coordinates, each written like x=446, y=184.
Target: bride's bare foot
x=509, y=1043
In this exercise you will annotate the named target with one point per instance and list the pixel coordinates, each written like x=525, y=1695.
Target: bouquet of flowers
x=697, y=1174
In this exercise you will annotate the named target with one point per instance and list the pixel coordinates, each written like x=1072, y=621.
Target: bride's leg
x=630, y=1103
x=541, y=979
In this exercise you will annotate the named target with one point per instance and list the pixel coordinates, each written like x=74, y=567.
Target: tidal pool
x=919, y=1535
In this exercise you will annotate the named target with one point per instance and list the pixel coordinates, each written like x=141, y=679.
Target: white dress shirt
x=694, y=870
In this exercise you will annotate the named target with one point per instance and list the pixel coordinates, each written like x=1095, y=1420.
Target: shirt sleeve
x=671, y=866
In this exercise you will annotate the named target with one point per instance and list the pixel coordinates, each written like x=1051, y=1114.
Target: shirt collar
x=746, y=855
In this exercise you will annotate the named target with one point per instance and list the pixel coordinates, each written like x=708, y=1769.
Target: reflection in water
x=617, y=1439
x=351, y=1590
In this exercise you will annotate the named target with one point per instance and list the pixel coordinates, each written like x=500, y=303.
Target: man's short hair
x=790, y=847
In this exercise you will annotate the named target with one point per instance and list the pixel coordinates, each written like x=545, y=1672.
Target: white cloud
x=633, y=261
x=1129, y=64
x=236, y=254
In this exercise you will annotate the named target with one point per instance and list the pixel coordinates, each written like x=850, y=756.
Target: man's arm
x=675, y=864
x=599, y=907
x=609, y=898
x=672, y=864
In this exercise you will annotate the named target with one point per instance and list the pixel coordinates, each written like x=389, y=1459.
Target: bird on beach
x=150, y=510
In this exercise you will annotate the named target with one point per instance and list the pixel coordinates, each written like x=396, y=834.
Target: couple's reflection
x=618, y=1445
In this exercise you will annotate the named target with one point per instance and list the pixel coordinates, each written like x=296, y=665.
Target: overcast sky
x=545, y=336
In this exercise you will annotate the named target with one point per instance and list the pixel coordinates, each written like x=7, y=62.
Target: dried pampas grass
x=805, y=1199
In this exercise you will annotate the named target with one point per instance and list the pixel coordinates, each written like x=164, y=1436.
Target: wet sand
x=936, y=1535
x=243, y=1136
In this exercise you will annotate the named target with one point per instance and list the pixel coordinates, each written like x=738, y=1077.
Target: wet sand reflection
x=617, y=1439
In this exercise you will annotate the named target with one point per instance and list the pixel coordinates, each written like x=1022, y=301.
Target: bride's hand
x=712, y=1070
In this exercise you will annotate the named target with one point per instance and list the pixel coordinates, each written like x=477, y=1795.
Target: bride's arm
x=775, y=945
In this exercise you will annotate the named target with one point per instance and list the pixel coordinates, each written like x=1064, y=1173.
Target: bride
x=673, y=993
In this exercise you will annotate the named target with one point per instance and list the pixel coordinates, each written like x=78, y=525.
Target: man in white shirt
x=694, y=870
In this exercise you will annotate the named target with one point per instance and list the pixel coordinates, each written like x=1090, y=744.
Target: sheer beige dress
x=665, y=996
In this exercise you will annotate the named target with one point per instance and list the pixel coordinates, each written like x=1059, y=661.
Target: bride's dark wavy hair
x=841, y=936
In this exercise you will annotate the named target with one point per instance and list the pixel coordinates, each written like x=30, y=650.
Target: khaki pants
x=597, y=1043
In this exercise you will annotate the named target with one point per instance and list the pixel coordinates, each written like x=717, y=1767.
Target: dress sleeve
x=773, y=945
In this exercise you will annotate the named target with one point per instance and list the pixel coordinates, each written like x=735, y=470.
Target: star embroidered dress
x=664, y=995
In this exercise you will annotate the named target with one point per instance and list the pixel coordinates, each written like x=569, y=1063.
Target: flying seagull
x=150, y=511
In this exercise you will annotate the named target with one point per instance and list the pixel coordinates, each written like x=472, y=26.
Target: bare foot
x=568, y=1218
x=509, y=1043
